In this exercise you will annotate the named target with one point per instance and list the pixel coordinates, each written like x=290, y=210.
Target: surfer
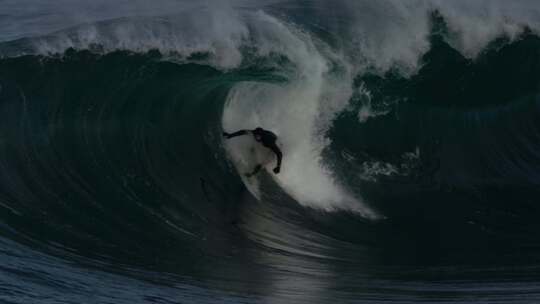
x=267, y=139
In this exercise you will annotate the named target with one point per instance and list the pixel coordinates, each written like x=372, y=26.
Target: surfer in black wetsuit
x=267, y=139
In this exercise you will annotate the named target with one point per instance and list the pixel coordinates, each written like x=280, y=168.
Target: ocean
x=410, y=133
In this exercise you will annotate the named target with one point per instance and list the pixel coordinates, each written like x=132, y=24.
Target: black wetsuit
x=266, y=138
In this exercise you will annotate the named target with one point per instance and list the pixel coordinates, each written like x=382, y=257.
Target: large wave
x=409, y=130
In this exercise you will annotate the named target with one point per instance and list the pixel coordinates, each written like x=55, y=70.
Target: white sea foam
x=367, y=110
x=217, y=33
x=388, y=34
x=380, y=34
x=293, y=111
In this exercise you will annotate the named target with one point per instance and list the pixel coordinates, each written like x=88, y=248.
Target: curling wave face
x=411, y=153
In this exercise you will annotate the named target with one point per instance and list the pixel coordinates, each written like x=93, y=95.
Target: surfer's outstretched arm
x=237, y=133
x=279, y=156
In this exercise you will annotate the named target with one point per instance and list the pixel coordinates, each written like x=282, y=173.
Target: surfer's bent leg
x=279, y=156
x=255, y=171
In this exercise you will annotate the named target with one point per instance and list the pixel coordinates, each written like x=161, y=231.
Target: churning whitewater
x=410, y=133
